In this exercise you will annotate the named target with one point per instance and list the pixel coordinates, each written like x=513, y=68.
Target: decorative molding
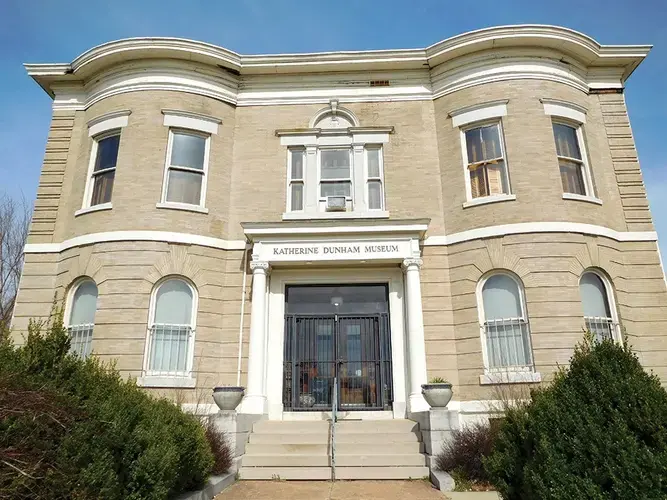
x=192, y=121
x=483, y=56
x=478, y=113
x=372, y=214
x=564, y=109
x=260, y=266
x=411, y=263
x=164, y=236
x=178, y=263
x=109, y=121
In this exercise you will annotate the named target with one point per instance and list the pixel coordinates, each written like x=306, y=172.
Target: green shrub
x=599, y=431
x=84, y=432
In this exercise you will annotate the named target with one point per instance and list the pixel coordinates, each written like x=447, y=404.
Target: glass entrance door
x=352, y=349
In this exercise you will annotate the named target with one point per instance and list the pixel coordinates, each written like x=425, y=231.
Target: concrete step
x=372, y=438
x=283, y=449
x=379, y=448
x=291, y=460
x=290, y=426
x=381, y=472
x=393, y=460
x=289, y=473
x=290, y=438
x=376, y=426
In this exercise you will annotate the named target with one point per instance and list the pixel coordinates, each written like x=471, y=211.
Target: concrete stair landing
x=365, y=449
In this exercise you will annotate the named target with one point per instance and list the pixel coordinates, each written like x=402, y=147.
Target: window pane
x=102, y=188
x=297, y=196
x=566, y=141
x=107, y=152
x=335, y=163
x=188, y=151
x=169, y=348
x=84, y=304
x=184, y=187
x=336, y=189
x=373, y=163
x=594, y=296
x=298, y=156
x=478, y=184
x=572, y=177
x=173, y=303
x=483, y=143
x=501, y=298
x=497, y=179
x=374, y=195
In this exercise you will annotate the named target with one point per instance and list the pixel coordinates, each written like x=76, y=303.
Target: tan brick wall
x=125, y=274
x=531, y=158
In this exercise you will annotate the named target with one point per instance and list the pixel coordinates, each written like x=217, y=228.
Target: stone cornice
x=597, y=66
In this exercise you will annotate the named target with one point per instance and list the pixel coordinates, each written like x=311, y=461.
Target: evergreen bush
x=73, y=428
x=599, y=431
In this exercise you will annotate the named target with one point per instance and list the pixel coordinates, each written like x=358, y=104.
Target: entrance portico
x=376, y=348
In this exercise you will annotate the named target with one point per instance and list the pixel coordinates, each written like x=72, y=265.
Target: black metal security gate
x=354, y=349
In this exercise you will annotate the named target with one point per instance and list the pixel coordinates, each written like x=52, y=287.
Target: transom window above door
x=335, y=168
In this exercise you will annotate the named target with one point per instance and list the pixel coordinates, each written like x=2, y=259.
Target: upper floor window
x=335, y=166
x=187, y=165
x=105, y=132
x=599, y=313
x=485, y=161
x=505, y=327
x=574, y=173
x=81, y=318
x=171, y=329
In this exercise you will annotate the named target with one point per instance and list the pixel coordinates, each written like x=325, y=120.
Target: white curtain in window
x=501, y=298
x=84, y=304
x=506, y=330
x=594, y=296
x=172, y=328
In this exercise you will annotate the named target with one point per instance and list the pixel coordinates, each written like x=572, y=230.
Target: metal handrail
x=334, y=416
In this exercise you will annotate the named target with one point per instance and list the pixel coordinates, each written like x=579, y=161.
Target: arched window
x=599, y=314
x=81, y=320
x=505, y=326
x=171, y=328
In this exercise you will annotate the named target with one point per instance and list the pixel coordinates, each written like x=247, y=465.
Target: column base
x=253, y=404
x=417, y=403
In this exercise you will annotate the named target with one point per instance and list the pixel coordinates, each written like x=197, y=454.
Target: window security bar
x=81, y=339
x=508, y=343
x=168, y=350
x=601, y=327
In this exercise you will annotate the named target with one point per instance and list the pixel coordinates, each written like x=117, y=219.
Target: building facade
x=377, y=218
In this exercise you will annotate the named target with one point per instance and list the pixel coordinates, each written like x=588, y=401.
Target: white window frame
x=100, y=128
x=69, y=305
x=159, y=379
x=291, y=181
x=168, y=167
x=611, y=302
x=490, y=198
x=368, y=179
x=510, y=374
x=573, y=115
x=349, y=179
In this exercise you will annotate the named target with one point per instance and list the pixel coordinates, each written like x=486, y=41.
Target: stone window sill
x=510, y=377
x=374, y=214
x=489, y=199
x=580, y=197
x=183, y=206
x=178, y=382
x=94, y=208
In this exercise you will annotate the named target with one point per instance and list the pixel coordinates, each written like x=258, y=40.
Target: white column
x=359, y=179
x=416, y=346
x=255, y=399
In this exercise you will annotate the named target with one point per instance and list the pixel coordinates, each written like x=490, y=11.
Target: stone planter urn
x=437, y=394
x=306, y=400
x=228, y=398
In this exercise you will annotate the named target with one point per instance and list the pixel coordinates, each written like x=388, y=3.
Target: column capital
x=412, y=262
x=257, y=266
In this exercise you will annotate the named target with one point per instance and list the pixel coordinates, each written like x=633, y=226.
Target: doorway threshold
x=340, y=414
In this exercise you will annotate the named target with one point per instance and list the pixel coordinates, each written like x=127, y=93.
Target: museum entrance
x=337, y=333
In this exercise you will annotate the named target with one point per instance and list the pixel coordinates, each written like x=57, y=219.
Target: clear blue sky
x=46, y=31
